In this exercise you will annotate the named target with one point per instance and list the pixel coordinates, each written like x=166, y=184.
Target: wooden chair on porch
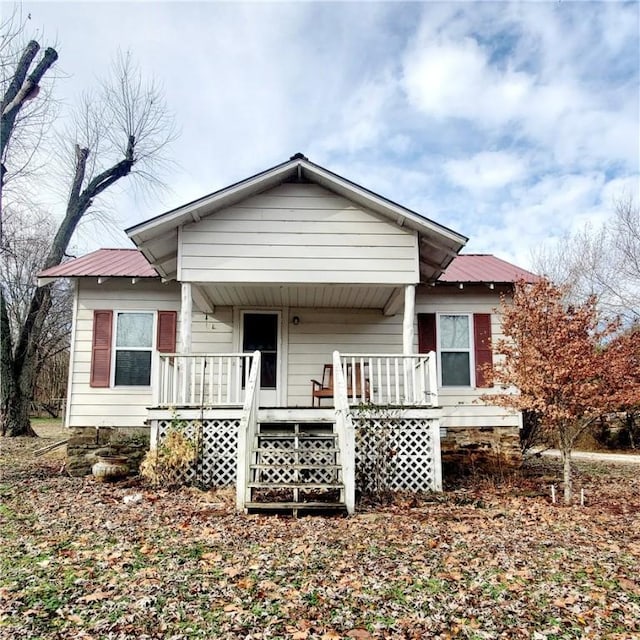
x=324, y=389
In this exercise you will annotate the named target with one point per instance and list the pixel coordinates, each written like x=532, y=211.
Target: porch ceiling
x=311, y=296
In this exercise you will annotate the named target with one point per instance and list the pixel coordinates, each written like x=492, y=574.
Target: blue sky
x=512, y=123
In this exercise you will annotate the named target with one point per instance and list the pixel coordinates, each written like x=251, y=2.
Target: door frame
x=282, y=342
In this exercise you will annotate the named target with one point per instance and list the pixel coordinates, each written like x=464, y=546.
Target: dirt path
x=595, y=456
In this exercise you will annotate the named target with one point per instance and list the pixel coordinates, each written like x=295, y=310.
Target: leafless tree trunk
x=127, y=125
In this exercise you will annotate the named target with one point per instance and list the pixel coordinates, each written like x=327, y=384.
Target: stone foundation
x=485, y=449
x=85, y=443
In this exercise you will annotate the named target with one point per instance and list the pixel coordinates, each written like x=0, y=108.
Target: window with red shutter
x=101, y=348
x=454, y=346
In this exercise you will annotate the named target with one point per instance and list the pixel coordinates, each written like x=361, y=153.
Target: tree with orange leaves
x=621, y=377
x=554, y=362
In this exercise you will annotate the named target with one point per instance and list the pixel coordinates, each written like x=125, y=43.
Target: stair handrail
x=345, y=432
x=247, y=431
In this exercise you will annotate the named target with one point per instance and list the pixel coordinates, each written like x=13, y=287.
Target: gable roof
x=157, y=237
x=104, y=263
x=477, y=267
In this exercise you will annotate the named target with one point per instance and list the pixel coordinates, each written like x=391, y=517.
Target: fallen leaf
x=95, y=596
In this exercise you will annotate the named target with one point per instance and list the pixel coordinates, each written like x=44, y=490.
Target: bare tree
x=603, y=262
x=29, y=238
x=120, y=130
x=26, y=104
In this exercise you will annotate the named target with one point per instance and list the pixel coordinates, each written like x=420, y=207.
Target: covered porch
x=381, y=406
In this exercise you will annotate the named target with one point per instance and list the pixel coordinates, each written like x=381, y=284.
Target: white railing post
x=346, y=434
x=433, y=379
x=246, y=433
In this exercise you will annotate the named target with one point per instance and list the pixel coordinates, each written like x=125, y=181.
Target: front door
x=261, y=332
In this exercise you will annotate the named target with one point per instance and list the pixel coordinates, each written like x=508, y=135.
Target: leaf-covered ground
x=84, y=560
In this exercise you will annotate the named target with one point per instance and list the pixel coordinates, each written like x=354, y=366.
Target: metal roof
x=104, y=263
x=484, y=268
x=131, y=263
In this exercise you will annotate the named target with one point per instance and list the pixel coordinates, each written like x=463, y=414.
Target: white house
x=294, y=317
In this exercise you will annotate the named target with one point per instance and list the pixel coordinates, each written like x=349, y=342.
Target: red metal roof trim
x=128, y=263
x=484, y=268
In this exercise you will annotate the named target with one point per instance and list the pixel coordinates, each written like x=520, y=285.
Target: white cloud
x=509, y=122
x=447, y=79
x=486, y=170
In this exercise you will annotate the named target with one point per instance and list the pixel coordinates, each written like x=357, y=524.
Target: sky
x=511, y=123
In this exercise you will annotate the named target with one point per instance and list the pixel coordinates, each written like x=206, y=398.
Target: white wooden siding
x=309, y=346
x=297, y=233
x=127, y=406
x=462, y=406
x=321, y=331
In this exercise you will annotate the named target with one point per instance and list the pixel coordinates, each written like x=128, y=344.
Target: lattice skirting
x=391, y=454
x=216, y=443
x=396, y=454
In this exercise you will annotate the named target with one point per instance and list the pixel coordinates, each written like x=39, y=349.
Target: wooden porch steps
x=295, y=467
x=301, y=486
x=296, y=507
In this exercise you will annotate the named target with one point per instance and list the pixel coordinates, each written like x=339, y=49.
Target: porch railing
x=391, y=379
x=246, y=433
x=203, y=379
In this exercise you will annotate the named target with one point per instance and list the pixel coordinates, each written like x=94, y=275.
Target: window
x=454, y=334
x=133, y=348
x=464, y=357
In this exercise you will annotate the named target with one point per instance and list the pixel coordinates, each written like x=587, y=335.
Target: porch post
x=407, y=323
x=407, y=343
x=185, y=338
x=185, y=318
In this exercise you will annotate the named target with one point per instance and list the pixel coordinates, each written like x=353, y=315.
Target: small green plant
x=168, y=463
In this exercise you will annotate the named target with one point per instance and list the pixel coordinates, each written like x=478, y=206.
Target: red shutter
x=426, y=332
x=166, y=338
x=483, y=352
x=101, y=349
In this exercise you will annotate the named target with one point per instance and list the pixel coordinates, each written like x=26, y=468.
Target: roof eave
x=228, y=196
x=218, y=199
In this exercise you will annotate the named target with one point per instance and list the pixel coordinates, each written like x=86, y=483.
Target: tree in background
x=603, y=262
x=621, y=379
x=120, y=130
x=29, y=236
x=552, y=357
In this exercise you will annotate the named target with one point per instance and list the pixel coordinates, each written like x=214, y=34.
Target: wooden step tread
x=300, y=506
x=302, y=436
x=296, y=485
x=297, y=450
x=286, y=465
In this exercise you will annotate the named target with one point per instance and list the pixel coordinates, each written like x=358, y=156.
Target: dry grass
x=487, y=560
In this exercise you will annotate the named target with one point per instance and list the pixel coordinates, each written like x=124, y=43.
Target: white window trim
x=470, y=350
x=114, y=348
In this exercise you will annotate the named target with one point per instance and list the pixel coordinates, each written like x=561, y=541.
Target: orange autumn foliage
x=553, y=354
